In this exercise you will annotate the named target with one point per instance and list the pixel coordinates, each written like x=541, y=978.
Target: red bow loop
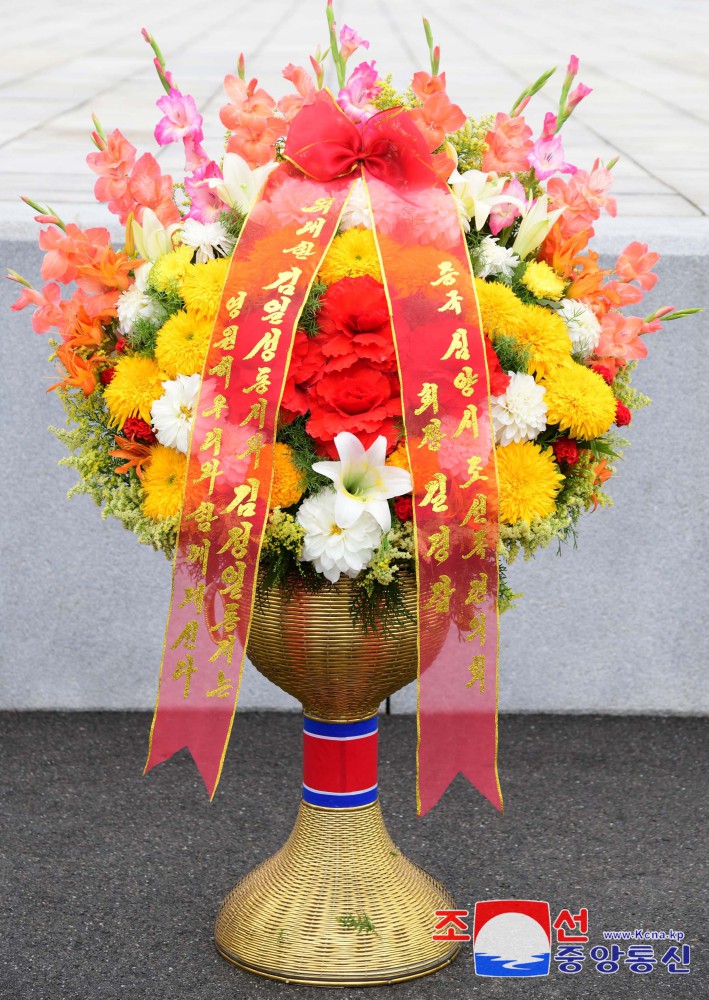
x=324, y=143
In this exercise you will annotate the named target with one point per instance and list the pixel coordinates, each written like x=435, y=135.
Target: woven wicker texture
x=337, y=905
x=307, y=645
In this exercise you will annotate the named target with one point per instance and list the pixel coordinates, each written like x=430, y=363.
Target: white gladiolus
x=357, y=211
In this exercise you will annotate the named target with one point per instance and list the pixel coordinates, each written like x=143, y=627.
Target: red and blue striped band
x=339, y=763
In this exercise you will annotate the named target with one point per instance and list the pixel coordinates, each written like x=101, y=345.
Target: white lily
x=535, y=225
x=152, y=239
x=478, y=193
x=239, y=184
x=363, y=481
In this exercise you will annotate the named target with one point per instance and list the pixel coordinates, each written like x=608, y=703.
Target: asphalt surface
x=110, y=881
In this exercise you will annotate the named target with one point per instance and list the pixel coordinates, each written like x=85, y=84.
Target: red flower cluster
x=623, y=416
x=346, y=376
x=566, y=450
x=138, y=430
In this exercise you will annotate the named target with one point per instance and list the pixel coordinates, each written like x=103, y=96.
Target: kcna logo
x=512, y=937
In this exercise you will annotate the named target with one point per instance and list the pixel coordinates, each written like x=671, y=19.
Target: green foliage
x=90, y=441
x=233, y=222
x=506, y=597
x=309, y=316
x=304, y=454
x=513, y=356
x=144, y=336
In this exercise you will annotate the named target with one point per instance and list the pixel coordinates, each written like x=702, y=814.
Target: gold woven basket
x=338, y=905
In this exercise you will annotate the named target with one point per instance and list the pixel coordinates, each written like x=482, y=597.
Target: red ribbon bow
x=325, y=144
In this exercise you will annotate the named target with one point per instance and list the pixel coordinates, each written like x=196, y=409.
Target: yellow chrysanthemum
x=399, y=458
x=202, y=286
x=182, y=344
x=135, y=386
x=529, y=481
x=351, y=255
x=171, y=268
x=579, y=401
x=288, y=485
x=543, y=282
x=164, y=483
x=500, y=309
x=546, y=335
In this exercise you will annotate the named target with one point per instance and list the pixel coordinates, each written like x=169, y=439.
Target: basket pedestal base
x=338, y=905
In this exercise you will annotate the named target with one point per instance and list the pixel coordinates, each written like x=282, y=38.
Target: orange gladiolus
x=603, y=474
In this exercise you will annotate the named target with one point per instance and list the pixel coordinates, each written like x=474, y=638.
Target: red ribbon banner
x=445, y=402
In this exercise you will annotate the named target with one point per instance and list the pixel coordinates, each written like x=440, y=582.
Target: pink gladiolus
x=573, y=67
x=66, y=251
x=437, y=118
x=181, y=119
x=509, y=145
x=250, y=116
x=635, y=264
x=505, y=213
x=205, y=202
x=148, y=188
x=619, y=294
x=547, y=155
x=301, y=80
x=361, y=88
x=576, y=96
x=423, y=84
x=620, y=337
x=350, y=41
x=113, y=164
x=48, y=313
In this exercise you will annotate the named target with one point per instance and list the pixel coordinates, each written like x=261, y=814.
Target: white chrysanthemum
x=331, y=549
x=583, y=327
x=521, y=413
x=492, y=259
x=134, y=304
x=173, y=413
x=357, y=211
x=207, y=238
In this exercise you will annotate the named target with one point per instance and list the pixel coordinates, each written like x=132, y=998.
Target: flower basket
x=343, y=375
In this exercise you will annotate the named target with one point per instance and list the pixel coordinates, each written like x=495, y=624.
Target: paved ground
x=645, y=59
x=111, y=881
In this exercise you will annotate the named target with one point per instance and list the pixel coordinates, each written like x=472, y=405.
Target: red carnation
x=360, y=400
x=605, y=373
x=120, y=345
x=307, y=365
x=623, y=416
x=499, y=380
x=404, y=508
x=138, y=430
x=354, y=325
x=566, y=450
x=106, y=376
